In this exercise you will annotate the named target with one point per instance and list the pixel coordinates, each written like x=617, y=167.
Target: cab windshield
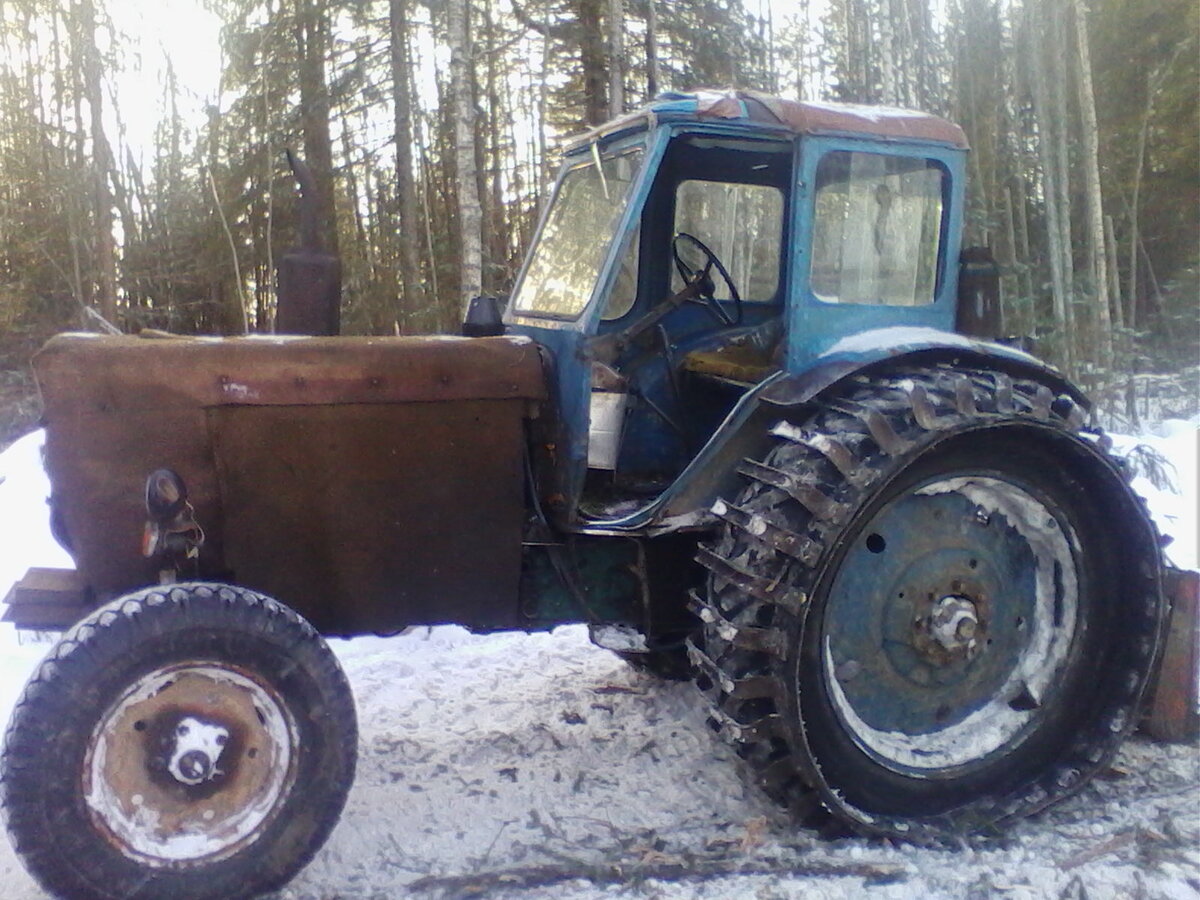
x=579, y=229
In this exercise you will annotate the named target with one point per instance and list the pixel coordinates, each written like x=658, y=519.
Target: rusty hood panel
x=371, y=483
x=80, y=372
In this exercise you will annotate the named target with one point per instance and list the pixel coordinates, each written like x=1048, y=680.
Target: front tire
x=191, y=741
x=934, y=608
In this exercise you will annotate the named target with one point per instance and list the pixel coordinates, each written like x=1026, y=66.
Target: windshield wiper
x=600, y=169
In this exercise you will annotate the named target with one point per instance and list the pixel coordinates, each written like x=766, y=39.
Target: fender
x=924, y=346
x=686, y=504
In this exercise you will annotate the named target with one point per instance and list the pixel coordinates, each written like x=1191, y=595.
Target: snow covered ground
x=540, y=767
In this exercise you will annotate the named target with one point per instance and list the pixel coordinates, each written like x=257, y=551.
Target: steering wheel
x=707, y=296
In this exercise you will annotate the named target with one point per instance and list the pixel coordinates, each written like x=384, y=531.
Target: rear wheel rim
x=950, y=624
x=190, y=764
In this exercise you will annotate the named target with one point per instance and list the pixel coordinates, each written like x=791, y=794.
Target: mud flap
x=1172, y=713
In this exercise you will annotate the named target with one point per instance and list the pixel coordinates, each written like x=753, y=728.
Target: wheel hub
x=197, y=749
x=190, y=764
x=947, y=622
x=950, y=632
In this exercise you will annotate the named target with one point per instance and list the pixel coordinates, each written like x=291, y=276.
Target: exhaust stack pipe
x=310, y=280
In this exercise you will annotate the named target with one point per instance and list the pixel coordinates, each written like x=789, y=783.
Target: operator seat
x=744, y=356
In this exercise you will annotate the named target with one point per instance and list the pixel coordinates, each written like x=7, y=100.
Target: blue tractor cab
x=713, y=252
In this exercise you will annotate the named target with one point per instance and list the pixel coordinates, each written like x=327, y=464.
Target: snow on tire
x=934, y=608
x=190, y=741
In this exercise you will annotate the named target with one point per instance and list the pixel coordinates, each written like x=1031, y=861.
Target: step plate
x=47, y=600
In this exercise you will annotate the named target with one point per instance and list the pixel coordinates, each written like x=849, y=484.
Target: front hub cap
x=948, y=622
x=196, y=748
x=951, y=627
x=190, y=764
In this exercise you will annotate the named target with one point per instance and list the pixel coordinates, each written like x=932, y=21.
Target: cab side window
x=742, y=224
x=877, y=226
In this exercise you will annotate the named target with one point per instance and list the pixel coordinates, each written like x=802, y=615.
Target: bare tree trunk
x=496, y=223
x=262, y=294
x=1098, y=254
x=312, y=37
x=542, y=97
x=1026, y=251
x=592, y=57
x=1114, y=277
x=1154, y=81
x=1045, y=146
x=858, y=52
x=888, y=62
x=469, y=214
x=652, y=77
x=1131, y=293
x=411, y=285
x=616, y=57
x=481, y=48
x=1011, y=262
x=1058, y=122
x=105, y=250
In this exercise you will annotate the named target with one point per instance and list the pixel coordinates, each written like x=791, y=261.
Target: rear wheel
x=934, y=608
x=190, y=741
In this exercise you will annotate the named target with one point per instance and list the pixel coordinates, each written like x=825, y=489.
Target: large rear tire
x=189, y=741
x=934, y=608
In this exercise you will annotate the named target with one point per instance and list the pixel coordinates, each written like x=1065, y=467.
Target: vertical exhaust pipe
x=309, y=294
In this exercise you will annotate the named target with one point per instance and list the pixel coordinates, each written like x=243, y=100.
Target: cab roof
x=777, y=113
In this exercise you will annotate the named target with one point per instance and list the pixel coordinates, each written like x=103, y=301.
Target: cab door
x=588, y=225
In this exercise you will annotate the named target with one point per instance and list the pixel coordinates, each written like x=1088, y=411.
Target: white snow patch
x=899, y=337
x=275, y=338
x=1173, y=499
x=24, y=513
x=872, y=113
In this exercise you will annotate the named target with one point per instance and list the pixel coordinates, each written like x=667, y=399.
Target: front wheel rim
x=950, y=622
x=190, y=764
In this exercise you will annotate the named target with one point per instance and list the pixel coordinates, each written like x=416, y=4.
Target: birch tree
x=469, y=214
x=1097, y=245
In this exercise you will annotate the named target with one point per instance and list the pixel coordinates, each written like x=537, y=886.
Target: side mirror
x=484, y=318
x=978, y=294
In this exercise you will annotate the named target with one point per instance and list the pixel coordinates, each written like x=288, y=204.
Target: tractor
x=749, y=413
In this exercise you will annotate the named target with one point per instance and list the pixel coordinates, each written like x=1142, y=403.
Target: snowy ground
x=541, y=768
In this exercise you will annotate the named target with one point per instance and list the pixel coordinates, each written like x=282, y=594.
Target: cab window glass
x=579, y=228
x=742, y=224
x=877, y=223
x=624, y=291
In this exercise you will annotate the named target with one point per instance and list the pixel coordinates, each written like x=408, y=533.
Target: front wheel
x=935, y=607
x=190, y=741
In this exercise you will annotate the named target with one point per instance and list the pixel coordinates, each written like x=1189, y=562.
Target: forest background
x=432, y=128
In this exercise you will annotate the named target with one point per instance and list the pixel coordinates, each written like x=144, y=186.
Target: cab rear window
x=877, y=229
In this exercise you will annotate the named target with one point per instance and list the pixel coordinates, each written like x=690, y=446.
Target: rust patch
x=1171, y=714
